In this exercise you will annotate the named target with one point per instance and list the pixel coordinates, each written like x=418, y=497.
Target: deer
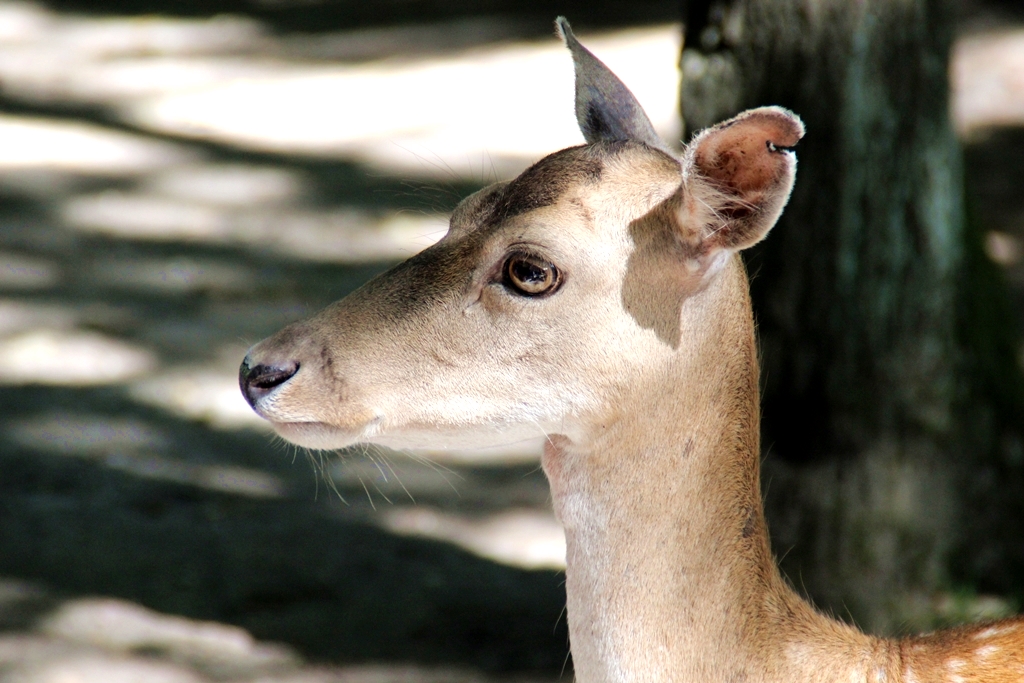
x=599, y=300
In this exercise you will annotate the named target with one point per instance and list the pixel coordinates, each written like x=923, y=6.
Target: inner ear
x=743, y=156
x=737, y=177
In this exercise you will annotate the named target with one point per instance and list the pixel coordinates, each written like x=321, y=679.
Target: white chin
x=315, y=435
x=461, y=439
x=322, y=436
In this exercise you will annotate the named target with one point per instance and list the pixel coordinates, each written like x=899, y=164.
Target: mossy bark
x=874, y=469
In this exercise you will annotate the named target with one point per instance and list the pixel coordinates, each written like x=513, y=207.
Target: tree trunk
x=871, y=391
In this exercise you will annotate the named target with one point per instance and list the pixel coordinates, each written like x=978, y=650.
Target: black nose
x=258, y=381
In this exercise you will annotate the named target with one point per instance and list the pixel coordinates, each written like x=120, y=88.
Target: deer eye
x=529, y=275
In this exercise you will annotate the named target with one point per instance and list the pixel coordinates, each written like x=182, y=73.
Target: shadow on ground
x=288, y=569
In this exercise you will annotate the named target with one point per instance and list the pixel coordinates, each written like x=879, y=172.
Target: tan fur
x=641, y=370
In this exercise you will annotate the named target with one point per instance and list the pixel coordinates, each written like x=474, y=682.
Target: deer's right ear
x=737, y=177
x=605, y=108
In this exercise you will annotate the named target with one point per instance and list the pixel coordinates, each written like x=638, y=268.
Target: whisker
x=368, y=496
x=437, y=467
x=384, y=459
x=329, y=478
x=376, y=463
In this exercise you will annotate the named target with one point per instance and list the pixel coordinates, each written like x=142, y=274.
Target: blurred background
x=180, y=179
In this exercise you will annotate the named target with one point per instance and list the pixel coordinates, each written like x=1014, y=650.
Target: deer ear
x=737, y=177
x=605, y=108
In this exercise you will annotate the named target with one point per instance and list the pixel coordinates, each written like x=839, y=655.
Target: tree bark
x=872, y=391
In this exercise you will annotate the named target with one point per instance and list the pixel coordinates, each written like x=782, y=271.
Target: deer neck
x=669, y=571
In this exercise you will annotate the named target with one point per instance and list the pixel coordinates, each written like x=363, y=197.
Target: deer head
x=548, y=295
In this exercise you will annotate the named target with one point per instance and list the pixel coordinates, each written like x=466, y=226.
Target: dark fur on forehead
x=546, y=181
x=474, y=209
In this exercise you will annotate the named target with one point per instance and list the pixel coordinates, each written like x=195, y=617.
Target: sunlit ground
x=223, y=244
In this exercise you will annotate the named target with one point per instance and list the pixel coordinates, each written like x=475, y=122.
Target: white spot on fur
x=955, y=665
x=908, y=675
x=993, y=631
x=987, y=633
x=986, y=651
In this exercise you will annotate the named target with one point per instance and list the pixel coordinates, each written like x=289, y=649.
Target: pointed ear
x=605, y=108
x=737, y=177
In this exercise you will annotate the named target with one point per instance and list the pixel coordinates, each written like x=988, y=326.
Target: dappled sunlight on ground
x=32, y=143
x=174, y=189
x=119, y=625
x=489, y=111
x=199, y=393
x=436, y=494
x=340, y=236
x=70, y=357
x=134, y=447
x=486, y=112
x=104, y=640
x=525, y=538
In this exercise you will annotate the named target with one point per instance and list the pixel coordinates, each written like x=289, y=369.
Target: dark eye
x=530, y=276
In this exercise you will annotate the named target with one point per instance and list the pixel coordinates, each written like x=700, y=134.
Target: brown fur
x=985, y=653
x=545, y=182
